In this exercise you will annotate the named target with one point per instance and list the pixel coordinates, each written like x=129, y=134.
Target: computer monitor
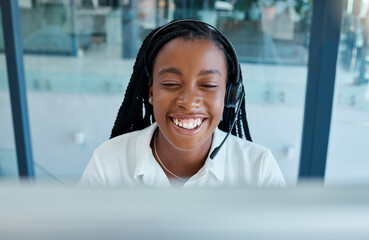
x=31, y=211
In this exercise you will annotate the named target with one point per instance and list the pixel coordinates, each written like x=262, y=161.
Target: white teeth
x=188, y=124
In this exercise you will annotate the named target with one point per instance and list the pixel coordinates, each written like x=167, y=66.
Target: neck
x=183, y=163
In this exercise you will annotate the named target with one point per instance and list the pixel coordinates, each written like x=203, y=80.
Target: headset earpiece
x=233, y=95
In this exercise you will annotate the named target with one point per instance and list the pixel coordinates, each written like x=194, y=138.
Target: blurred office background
x=79, y=54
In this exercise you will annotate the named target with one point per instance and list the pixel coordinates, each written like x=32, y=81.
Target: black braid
x=129, y=117
x=136, y=112
x=239, y=126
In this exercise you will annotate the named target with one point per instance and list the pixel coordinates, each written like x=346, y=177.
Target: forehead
x=191, y=52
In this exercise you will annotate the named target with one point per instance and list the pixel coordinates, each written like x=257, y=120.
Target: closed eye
x=208, y=86
x=170, y=84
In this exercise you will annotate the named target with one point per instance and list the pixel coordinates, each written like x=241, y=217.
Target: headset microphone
x=216, y=150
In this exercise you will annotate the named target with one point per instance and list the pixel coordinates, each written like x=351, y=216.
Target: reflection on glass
x=262, y=31
x=49, y=33
x=268, y=31
x=79, y=57
x=347, y=154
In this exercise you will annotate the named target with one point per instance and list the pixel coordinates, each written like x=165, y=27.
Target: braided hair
x=136, y=112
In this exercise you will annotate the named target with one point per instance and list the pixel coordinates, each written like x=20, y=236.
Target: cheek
x=218, y=108
x=161, y=103
x=216, y=104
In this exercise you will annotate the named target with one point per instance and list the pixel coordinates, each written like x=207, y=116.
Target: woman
x=185, y=87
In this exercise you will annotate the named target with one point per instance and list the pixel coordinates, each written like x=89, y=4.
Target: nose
x=189, y=99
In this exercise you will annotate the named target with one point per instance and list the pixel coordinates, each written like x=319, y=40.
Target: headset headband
x=226, y=40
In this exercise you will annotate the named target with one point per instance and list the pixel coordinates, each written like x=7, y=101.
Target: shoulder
x=116, y=144
x=127, y=141
x=115, y=160
x=245, y=149
x=253, y=162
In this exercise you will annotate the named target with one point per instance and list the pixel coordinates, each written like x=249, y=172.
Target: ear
x=150, y=90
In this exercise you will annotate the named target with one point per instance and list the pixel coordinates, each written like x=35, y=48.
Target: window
x=347, y=161
x=79, y=58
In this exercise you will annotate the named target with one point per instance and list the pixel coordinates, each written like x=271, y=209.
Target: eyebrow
x=209, y=71
x=201, y=73
x=170, y=70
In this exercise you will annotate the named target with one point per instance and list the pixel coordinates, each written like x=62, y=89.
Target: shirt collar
x=217, y=165
x=145, y=160
x=142, y=152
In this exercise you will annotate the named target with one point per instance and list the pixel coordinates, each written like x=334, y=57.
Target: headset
x=234, y=92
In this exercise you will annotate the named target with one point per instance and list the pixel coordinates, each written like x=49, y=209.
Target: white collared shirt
x=127, y=160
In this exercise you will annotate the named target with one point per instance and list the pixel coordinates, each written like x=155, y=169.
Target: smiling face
x=188, y=89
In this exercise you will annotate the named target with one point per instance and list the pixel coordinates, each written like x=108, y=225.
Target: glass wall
x=348, y=161
x=8, y=158
x=79, y=56
x=75, y=76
